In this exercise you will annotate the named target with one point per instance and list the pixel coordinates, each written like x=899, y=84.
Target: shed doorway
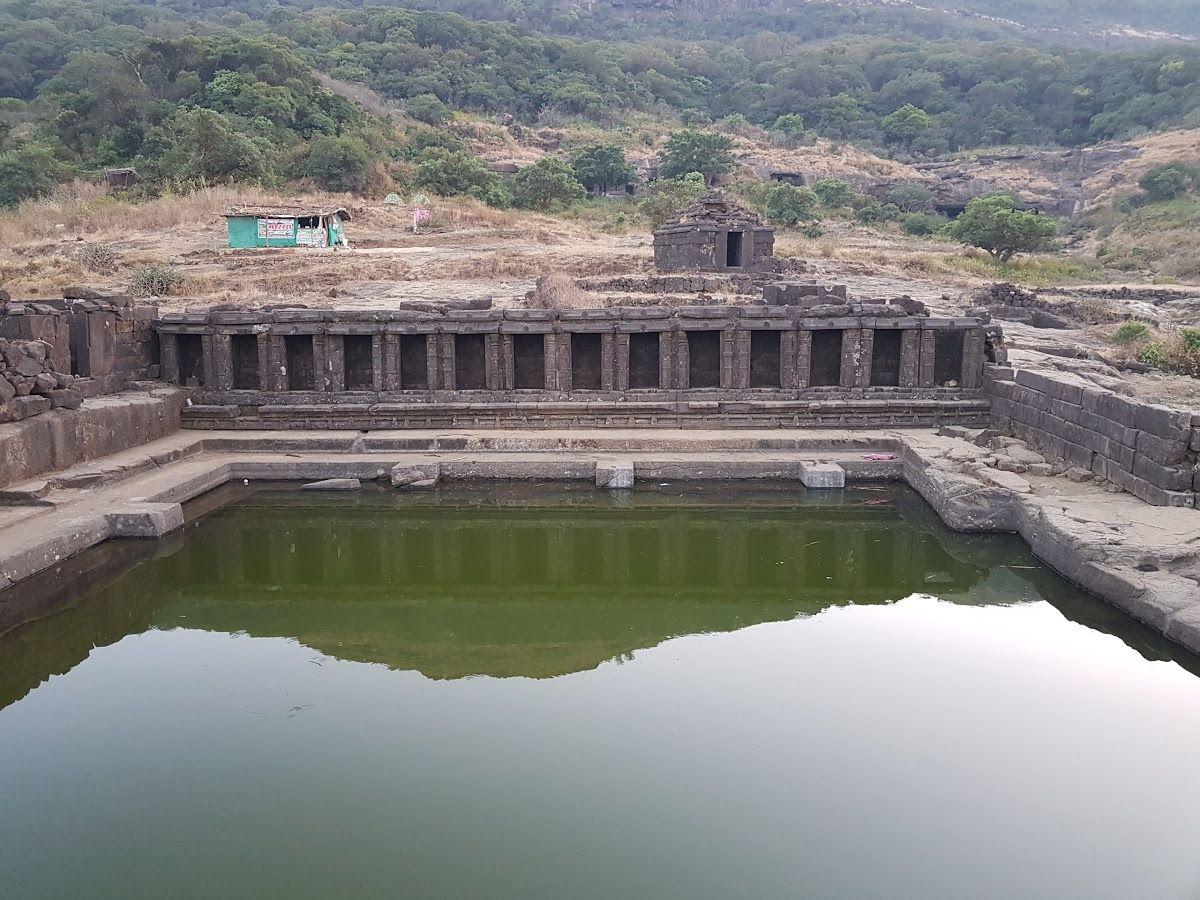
x=733, y=250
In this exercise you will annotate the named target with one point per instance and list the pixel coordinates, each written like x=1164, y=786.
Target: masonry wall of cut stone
x=105, y=344
x=1151, y=451
x=511, y=367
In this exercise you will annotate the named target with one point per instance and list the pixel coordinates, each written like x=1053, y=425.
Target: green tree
x=456, y=173
x=995, y=224
x=27, y=172
x=602, y=167
x=1168, y=181
x=547, y=184
x=690, y=150
x=787, y=204
x=202, y=145
x=906, y=124
x=833, y=192
x=337, y=163
x=667, y=196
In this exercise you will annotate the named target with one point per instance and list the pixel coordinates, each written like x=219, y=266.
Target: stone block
x=420, y=476
x=333, y=484
x=1007, y=480
x=65, y=398
x=144, y=520
x=1167, y=478
x=27, y=406
x=1162, y=451
x=822, y=476
x=617, y=475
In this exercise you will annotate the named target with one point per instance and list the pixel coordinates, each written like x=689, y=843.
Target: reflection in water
x=721, y=693
x=528, y=582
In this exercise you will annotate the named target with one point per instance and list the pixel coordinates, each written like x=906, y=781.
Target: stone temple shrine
x=714, y=235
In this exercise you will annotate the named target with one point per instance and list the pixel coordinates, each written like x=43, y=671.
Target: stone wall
x=104, y=425
x=1151, y=451
x=105, y=342
x=724, y=365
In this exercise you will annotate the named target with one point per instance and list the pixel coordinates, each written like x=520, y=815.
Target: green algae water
x=538, y=692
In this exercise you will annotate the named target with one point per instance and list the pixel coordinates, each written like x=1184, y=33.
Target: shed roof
x=286, y=211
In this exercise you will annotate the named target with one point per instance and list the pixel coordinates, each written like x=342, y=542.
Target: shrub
x=156, y=280
x=787, y=204
x=419, y=140
x=876, y=213
x=1153, y=355
x=912, y=198
x=547, y=184
x=921, y=224
x=1130, y=332
x=97, y=257
x=1168, y=181
x=1190, y=338
x=834, y=192
x=429, y=109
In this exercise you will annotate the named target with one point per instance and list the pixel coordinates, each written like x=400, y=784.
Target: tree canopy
x=995, y=224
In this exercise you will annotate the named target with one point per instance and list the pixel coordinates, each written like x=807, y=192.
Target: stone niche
x=714, y=235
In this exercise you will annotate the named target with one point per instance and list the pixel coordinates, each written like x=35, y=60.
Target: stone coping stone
x=281, y=320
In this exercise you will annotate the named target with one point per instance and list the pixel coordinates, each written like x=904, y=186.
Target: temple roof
x=714, y=208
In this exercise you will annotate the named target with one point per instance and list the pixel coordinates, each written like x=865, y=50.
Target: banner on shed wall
x=275, y=228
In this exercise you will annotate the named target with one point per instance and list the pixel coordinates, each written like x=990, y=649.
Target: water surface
x=527, y=692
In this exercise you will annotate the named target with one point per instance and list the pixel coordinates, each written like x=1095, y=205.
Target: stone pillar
x=493, y=363
x=928, y=342
x=208, y=361
x=910, y=357
x=222, y=363
x=169, y=358
x=321, y=371
x=508, y=363
x=335, y=362
x=377, y=362
x=850, y=358
x=262, y=342
x=391, y=361
x=446, y=355
x=562, y=361
x=866, y=351
x=550, y=359
x=620, y=344
x=803, y=359
x=667, y=342
x=608, y=362
x=683, y=359
x=972, y=371
x=279, y=377
x=433, y=362
x=738, y=347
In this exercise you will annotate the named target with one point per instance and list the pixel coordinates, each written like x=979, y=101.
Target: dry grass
x=561, y=292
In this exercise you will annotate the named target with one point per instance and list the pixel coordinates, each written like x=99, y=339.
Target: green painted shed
x=287, y=226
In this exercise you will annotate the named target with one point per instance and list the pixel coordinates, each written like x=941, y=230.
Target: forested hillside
x=198, y=89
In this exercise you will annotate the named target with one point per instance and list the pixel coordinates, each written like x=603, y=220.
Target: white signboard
x=276, y=228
